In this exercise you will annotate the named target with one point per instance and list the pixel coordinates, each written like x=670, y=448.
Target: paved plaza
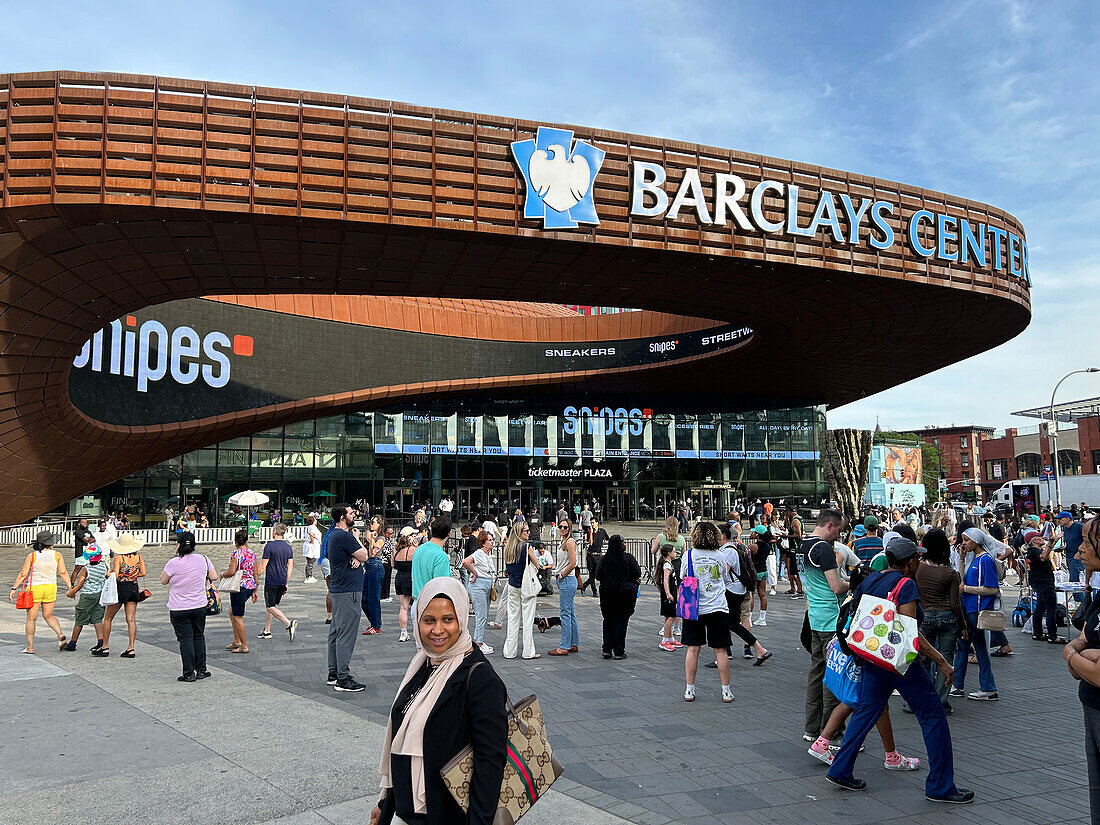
x=264, y=740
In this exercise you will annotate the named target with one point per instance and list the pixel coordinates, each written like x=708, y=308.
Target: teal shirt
x=429, y=562
x=822, y=603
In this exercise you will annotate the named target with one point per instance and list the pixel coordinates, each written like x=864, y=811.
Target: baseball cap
x=1065, y=514
x=902, y=548
x=859, y=531
x=760, y=529
x=1031, y=534
x=407, y=531
x=871, y=523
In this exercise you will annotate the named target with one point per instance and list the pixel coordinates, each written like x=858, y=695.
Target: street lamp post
x=1054, y=437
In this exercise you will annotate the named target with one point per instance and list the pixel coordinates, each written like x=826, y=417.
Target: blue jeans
x=1076, y=573
x=916, y=689
x=940, y=628
x=976, y=638
x=372, y=592
x=479, y=595
x=570, y=633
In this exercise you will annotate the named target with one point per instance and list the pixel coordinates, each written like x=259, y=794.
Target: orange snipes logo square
x=242, y=345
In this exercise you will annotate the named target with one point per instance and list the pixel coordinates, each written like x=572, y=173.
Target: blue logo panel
x=559, y=176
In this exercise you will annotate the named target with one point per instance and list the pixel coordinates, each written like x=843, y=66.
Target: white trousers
x=521, y=619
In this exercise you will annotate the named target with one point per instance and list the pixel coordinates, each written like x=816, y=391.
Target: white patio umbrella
x=248, y=498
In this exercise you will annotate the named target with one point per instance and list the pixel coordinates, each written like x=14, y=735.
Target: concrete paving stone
x=666, y=750
x=728, y=799
x=17, y=667
x=303, y=818
x=95, y=728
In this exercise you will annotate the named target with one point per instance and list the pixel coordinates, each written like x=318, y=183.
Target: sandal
x=240, y=650
x=127, y=654
x=906, y=763
x=761, y=659
x=233, y=646
x=29, y=651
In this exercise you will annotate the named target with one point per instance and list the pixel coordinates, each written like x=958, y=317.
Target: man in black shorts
x=278, y=564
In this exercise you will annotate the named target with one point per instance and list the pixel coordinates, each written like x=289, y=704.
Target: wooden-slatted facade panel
x=284, y=152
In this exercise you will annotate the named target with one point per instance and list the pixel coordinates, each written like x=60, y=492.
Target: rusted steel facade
x=120, y=192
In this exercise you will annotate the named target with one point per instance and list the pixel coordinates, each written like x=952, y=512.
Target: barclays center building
x=210, y=287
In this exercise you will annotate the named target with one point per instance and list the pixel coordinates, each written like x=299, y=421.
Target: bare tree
x=847, y=455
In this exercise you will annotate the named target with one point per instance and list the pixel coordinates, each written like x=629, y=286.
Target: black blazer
x=460, y=719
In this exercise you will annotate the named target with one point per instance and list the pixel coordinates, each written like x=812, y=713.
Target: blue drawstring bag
x=843, y=675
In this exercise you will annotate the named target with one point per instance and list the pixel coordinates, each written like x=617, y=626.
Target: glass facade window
x=627, y=462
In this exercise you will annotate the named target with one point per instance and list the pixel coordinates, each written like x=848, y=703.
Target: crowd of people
x=940, y=568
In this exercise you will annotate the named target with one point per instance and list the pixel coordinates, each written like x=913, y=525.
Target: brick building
x=1023, y=452
x=959, y=455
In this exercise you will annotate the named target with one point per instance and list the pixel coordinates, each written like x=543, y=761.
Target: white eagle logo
x=560, y=182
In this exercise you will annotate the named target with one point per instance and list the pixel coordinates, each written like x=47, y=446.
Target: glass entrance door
x=393, y=502
x=465, y=504
x=664, y=502
x=620, y=505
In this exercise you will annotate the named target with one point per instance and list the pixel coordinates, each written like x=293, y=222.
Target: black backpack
x=746, y=569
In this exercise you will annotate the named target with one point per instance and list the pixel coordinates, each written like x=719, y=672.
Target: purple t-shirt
x=187, y=584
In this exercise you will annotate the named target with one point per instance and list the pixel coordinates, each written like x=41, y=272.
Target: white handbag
x=230, y=585
x=880, y=635
x=109, y=594
x=531, y=585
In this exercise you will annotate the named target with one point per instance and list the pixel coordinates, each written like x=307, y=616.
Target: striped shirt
x=867, y=547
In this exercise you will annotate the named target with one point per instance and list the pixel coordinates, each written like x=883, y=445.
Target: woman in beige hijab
x=450, y=698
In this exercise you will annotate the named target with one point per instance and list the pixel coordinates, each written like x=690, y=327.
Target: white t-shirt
x=491, y=528
x=446, y=505
x=733, y=560
x=708, y=566
x=311, y=547
x=483, y=563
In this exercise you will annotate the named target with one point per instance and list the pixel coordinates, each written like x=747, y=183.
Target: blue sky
x=996, y=101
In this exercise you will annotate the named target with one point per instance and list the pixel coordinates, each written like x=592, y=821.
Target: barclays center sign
x=560, y=174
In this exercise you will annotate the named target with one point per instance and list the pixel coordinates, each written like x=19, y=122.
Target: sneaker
x=961, y=797
x=264, y=634
x=820, y=750
x=713, y=665
x=689, y=693
x=387, y=600
x=760, y=623
x=771, y=592
x=404, y=637
x=371, y=631
x=727, y=695
x=328, y=620
x=677, y=631
x=956, y=692
x=809, y=737
x=331, y=678
x=203, y=674
x=839, y=743
x=349, y=685
x=311, y=580
x=292, y=628
x=486, y=649
x=666, y=645
x=70, y=647
x=983, y=696
x=852, y=784
x=796, y=596
x=748, y=652
x=676, y=643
